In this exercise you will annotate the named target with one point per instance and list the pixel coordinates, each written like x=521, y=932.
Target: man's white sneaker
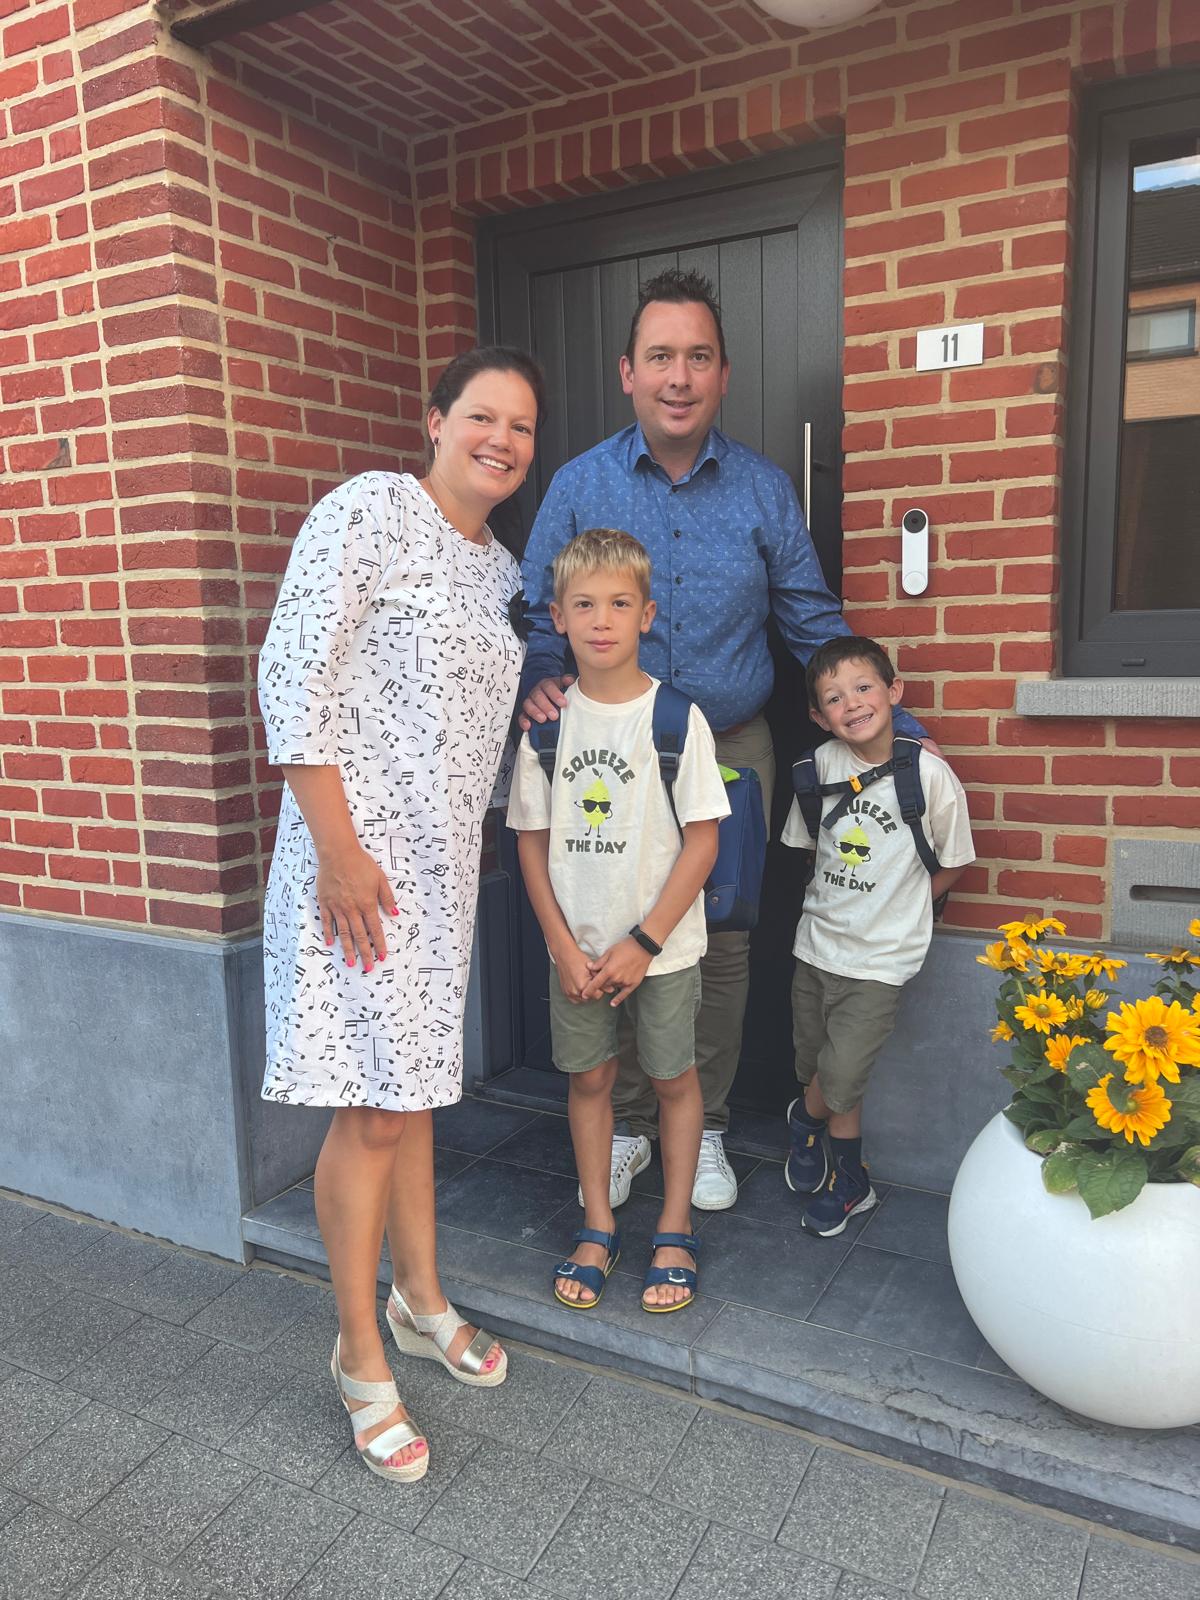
x=629, y=1156
x=715, y=1188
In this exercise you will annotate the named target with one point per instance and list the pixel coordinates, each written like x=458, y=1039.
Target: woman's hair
x=833, y=653
x=601, y=550
x=677, y=288
x=487, y=358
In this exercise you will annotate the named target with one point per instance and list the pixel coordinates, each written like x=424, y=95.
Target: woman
x=387, y=681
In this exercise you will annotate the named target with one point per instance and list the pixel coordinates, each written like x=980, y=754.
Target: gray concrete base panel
x=131, y=1069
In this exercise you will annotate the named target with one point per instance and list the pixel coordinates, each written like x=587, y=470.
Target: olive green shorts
x=662, y=1010
x=839, y=1026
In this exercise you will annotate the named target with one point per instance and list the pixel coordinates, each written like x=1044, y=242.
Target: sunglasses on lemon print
x=602, y=806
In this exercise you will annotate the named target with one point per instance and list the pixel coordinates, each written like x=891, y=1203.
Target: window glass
x=1158, y=528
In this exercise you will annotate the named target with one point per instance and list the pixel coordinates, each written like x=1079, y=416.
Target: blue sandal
x=593, y=1278
x=684, y=1277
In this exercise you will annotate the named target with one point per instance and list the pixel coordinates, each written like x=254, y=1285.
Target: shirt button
x=677, y=670
x=678, y=580
x=679, y=627
x=679, y=533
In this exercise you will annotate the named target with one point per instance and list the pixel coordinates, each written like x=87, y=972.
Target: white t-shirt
x=868, y=912
x=613, y=839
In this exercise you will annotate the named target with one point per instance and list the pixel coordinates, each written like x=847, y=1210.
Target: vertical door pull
x=808, y=474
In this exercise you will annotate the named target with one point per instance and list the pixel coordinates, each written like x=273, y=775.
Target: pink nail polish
x=349, y=961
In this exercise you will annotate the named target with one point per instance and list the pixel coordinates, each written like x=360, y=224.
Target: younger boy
x=866, y=923
x=618, y=895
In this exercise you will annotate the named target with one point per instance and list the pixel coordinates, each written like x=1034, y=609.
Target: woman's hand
x=618, y=971
x=351, y=888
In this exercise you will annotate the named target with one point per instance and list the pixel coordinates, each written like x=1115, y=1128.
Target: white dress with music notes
x=390, y=655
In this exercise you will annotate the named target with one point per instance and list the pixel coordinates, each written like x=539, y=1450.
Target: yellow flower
x=1001, y=1033
x=1003, y=958
x=1101, y=966
x=1042, y=1012
x=1030, y=928
x=1194, y=927
x=1059, y=963
x=1139, y=1113
x=1095, y=998
x=1074, y=1008
x=1150, y=1037
x=1059, y=1047
x=1178, y=957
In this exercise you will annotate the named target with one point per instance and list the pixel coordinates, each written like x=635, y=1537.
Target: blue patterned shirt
x=729, y=547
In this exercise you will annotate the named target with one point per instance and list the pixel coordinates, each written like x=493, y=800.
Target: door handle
x=808, y=474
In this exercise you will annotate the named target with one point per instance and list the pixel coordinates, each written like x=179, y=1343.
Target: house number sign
x=960, y=346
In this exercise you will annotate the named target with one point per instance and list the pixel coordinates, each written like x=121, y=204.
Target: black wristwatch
x=646, y=942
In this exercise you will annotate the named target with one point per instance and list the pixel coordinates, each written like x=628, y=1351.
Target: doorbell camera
x=914, y=551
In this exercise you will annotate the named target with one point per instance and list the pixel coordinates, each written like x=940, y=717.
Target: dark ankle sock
x=801, y=1113
x=847, y=1154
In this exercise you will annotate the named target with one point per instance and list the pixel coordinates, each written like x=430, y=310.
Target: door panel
x=562, y=282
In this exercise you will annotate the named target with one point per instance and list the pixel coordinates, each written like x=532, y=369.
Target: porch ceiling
x=426, y=66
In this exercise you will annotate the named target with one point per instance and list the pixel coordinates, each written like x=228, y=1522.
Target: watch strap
x=646, y=942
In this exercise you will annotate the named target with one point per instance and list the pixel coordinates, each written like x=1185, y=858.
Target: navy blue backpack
x=904, y=768
x=734, y=886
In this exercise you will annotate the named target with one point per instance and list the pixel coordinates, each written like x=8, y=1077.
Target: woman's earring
x=435, y=449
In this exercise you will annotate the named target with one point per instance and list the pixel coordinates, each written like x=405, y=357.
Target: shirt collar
x=714, y=449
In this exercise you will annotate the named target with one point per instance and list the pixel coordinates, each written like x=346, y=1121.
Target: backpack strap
x=668, y=728
x=905, y=769
x=910, y=795
x=808, y=791
x=543, y=736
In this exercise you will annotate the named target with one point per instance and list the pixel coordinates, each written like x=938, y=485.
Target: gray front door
x=562, y=282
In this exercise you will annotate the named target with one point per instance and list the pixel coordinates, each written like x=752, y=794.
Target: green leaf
x=1042, y=1094
x=1084, y=1127
x=1023, y=1114
x=1110, y=1180
x=1184, y=1095
x=1043, y=1141
x=1188, y=1165
x=1087, y=1064
x=1059, y=1173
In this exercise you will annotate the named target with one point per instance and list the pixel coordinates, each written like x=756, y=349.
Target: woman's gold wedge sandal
x=383, y=1401
x=431, y=1337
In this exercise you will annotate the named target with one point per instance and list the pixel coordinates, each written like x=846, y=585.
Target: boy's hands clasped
x=617, y=972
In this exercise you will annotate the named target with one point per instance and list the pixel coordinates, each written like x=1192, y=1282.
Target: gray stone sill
x=1109, y=697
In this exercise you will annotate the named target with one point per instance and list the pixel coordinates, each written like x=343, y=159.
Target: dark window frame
x=1099, y=641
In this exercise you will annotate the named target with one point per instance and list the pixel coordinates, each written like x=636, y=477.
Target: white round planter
x=1103, y=1316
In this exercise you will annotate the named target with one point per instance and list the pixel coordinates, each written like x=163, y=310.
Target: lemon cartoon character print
x=596, y=805
x=854, y=848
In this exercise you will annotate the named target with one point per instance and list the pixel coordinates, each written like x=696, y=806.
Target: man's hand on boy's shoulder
x=619, y=971
x=544, y=702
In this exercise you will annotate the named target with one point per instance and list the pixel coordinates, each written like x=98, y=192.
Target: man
x=729, y=547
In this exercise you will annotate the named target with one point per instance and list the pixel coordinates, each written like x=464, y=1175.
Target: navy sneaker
x=844, y=1196
x=807, y=1168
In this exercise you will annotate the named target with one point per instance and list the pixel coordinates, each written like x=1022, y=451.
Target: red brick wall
x=209, y=316
x=213, y=308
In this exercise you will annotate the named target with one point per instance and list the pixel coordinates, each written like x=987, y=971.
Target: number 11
x=950, y=347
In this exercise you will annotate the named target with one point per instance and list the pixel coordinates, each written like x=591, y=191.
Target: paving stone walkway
x=168, y=1431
